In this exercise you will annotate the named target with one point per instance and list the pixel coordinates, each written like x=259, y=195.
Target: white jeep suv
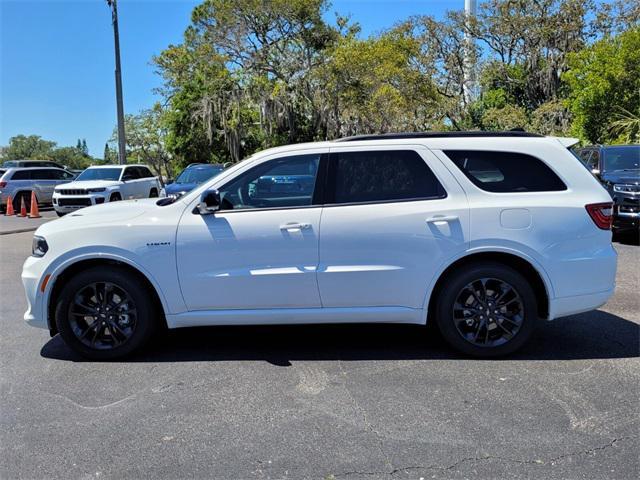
x=105, y=183
x=483, y=233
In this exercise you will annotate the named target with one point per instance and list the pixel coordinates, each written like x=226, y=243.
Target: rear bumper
x=562, y=307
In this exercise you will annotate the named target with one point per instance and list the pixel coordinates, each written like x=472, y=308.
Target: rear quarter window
x=21, y=175
x=506, y=172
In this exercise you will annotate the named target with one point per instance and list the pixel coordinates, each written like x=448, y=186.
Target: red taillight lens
x=3, y=184
x=601, y=214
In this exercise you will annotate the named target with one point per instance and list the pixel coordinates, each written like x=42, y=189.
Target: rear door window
x=380, y=176
x=506, y=172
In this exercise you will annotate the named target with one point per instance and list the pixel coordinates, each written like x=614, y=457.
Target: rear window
x=506, y=172
x=379, y=176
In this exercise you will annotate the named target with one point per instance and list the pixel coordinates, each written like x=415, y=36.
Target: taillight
x=3, y=184
x=601, y=214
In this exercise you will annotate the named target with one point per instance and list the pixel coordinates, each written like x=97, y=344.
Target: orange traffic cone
x=23, y=208
x=10, y=210
x=34, y=213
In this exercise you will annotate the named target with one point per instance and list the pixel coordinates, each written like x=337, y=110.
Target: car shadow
x=594, y=335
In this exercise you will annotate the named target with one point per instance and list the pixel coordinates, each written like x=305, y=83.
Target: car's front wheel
x=105, y=313
x=487, y=309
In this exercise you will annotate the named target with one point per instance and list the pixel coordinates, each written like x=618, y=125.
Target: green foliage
x=604, y=85
x=28, y=147
x=251, y=74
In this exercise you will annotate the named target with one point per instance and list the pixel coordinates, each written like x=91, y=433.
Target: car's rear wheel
x=104, y=313
x=153, y=193
x=487, y=309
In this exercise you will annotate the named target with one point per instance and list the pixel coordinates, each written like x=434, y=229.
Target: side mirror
x=209, y=202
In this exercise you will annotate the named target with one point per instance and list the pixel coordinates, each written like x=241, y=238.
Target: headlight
x=95, y=190
x=39, y=246
x=626, y=188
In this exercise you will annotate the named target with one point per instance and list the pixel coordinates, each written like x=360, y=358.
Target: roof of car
x=465, y=134
x=116, y=165
x=32, y=168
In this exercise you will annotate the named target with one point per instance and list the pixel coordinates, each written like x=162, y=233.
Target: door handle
x=442, y=218
x=294, y=226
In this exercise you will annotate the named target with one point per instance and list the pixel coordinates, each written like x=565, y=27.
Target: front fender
x=63, y=262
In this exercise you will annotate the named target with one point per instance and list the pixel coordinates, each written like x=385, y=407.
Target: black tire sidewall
x=458, y=280
x=146, y=312
x=115, y=197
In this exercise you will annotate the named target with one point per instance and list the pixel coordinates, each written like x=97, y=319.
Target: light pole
x=470, y=9
x=122, y=148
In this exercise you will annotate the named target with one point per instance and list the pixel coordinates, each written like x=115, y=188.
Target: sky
x=57, y=61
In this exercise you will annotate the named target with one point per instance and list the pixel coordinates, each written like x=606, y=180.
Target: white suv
x=483, y=234
x=105, y=183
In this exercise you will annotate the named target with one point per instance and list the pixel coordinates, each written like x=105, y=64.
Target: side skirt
x=296, y=316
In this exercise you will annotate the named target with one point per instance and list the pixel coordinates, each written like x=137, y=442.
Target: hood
x=631, y=177
x=174, y=188
x=113, y=212
x=89, y=184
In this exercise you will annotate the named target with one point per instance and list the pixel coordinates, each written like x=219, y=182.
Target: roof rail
x=466, y=134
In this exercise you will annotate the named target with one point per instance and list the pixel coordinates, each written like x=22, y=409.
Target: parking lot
x=323, y=402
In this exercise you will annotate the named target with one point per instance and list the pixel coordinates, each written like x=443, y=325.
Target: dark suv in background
x=618, y=169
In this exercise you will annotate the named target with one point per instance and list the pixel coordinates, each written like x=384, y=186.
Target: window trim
x=331, y=179
x=479, y=188
x=318, y=187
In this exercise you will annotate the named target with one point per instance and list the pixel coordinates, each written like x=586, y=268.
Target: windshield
x=622, y=158
x=100, y=174
x=197, y=175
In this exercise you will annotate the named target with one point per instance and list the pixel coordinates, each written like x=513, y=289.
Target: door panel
x=387, y=253
x=250, y=255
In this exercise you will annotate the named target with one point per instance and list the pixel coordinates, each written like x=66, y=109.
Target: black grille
x=629, y=205
x=74, y=202
x=72, y=191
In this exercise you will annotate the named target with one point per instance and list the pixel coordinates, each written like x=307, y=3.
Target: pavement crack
x=365, y=419
x=536, y=462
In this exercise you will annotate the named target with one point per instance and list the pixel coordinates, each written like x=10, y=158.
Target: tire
x=102, y=330
x=115, y=197
x=61, y=214
x=461, y=312
x=153, y=193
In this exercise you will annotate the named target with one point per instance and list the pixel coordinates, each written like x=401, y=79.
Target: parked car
x=618, y=169
x=18, y=183
x=32, y=164
x=105, y=183
x=190, y=178
x=483, y=233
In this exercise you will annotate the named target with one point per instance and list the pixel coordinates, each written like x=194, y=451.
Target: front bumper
x=71, y=203
x=626, y=213
x=32, y=275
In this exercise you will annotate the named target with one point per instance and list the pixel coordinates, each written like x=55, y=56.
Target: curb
x=20, y=230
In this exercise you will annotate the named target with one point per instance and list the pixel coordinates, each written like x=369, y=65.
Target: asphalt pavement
x=323, y=402
x=17, y=224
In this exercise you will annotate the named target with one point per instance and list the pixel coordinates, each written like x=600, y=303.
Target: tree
x=84, y=148
x=604, y=84
x=71, y=157
x=31, y=147
x=106, y=156
x=146, y=138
